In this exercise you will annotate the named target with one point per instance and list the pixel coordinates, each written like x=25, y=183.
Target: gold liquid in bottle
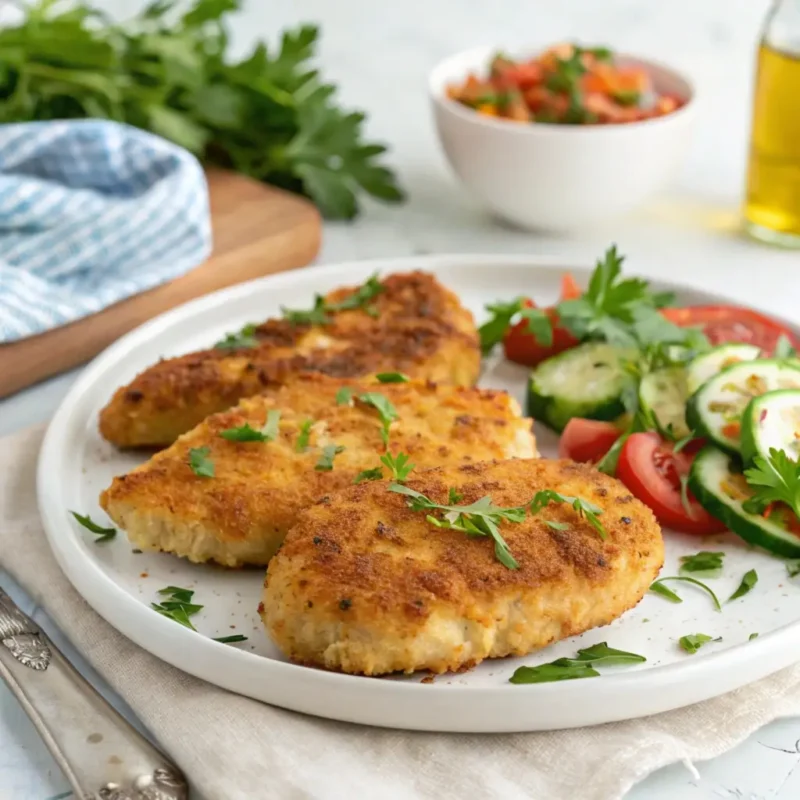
x=772, y=209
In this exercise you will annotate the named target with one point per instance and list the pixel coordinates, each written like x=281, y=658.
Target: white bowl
x=559, y=177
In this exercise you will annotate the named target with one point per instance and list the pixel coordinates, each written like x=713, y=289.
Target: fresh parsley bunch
x=169, y=70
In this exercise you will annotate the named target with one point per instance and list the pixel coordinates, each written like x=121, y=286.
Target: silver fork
x=102, y=755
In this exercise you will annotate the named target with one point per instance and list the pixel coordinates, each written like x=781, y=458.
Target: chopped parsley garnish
x=319, y=314
x=710, y=564
x=774, y=480
x=103, y=534
x=658, y=588
x=793, y=568
x=392, y=377
x=386, y=411
x=480, y=518
x=556, y=526
x=329, y=452
x=752, y=636
x=200, y=463
x=244, y=338
x=178, y=606
x=589, y=511
x=344, y=396
x=453, y=496
x=492, y=332
x=692, y=642
x=784, y=348
x=236, y=637
x=245, y=433
x=749, y=580
x=582, y=666
x=374, y=474
x=303, y=436
x=399, y=466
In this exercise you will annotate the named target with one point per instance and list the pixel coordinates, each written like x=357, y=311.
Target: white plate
x=75, y=464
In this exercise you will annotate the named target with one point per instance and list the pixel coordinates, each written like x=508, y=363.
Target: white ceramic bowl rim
x=444, y=73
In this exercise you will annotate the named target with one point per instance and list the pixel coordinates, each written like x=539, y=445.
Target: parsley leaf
x=658, y=588
x=246, y=433
x=692, y=642
x=784, y=348
x=579, y=667
x=319, y=314
x=386, y=411
x=399, y=466
x=704, y=561
x=329, y=452
x=344, y=396
x=480, y=518
x=392, y=377
x=103, y=534
x=775, y=480
x=589, y=511
x=749, y=580
x=236, y=637
x=494, y=329
x=303, y=436
x=539, y=325
x=793, y=568
x=244, y=338
x=752, y=636
x=178, y=606
x=374, y=474
x=200, y=463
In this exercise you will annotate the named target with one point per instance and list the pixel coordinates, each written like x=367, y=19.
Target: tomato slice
x=587, y=440
x=651, y=469
x=723, y=324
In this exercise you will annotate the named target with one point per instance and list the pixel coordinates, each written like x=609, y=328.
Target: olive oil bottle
x=772, y=206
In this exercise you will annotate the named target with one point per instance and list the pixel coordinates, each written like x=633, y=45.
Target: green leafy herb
x=392, y=377
x=627, y=97
x=245, y=433
x=178, y=606
x=329, y=452
x=103, y=534
x=303, y=436
x=200, y=463
x=320, y=313
x=775, y=480
x=704, y=561
x=685, y=502
x=556, y=526
x=232, y=341
x=344, y=396
x=749, y=580
x=172, y=70
x=480, y=518
x=539, y=325
x=784, y=348
x=793, y=568
x=236, y=637
x=581, y=666
x=386, y=411
x=692, y=642
x=374, y=474
x=589, y=511
x=659, y=588
x=453, y=496
x=752, y=636
x=494, y=329
x=399, y=466
x=316, y=315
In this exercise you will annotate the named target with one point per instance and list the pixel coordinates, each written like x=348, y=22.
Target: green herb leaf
x=178, y=607
x=548, y=673
x=601, y=653
x=246, y=433
x=236, y=637
x=399, y=466
x=320, y=313
x=752, y=636
x=692, y=642
x=375, y=474
x=453, y=496
x=659, y=588
x=303, y=436
x=103, y=534
x=704, y=561
x=494, y=329
x=200, y=463
x=392, y=377
x=344, y=396
x=589, y=511
x=233, y=341
x=749, y=580
x=556, y=526
x=386, y=411
x=784, y=348
x=774, y=480
x=329, y=452
x=539, y=325
x=793, y=568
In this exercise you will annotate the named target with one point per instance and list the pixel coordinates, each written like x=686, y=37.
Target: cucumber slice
x=664, y=394
x=586, y=381
x=715, y=409
x=714, y=361
x=772, y=420
x=720, y=488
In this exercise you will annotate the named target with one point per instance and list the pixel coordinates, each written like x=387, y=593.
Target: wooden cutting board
x=258, y=230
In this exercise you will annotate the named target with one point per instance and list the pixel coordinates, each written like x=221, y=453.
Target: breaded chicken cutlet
x=364, y=584
x=242, y=514
x=405, y=322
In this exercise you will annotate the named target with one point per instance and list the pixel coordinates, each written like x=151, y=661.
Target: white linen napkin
x=233, y=748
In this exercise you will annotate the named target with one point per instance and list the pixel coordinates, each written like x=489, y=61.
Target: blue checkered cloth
x=92, y=212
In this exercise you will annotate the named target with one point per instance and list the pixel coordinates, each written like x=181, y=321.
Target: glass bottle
x=772, y=206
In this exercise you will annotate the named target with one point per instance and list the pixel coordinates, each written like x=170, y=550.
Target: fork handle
x=103, y=757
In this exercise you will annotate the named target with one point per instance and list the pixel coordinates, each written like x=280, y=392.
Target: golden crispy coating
x=363, y=584
x=242, y=514
x=414, y=325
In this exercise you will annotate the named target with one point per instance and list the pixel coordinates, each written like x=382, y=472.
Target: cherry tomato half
x=587, y=440
x=723, y=324
x=650, y=468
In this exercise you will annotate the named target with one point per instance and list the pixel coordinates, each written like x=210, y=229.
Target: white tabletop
x=379, y=54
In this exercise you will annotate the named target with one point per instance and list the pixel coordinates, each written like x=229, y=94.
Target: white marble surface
x=380, y=54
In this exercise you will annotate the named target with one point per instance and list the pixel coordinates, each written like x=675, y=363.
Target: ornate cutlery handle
x=102, y=755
